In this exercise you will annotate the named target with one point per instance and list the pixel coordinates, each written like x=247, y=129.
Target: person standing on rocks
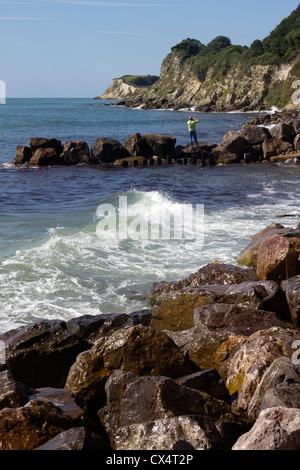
x=192, y=129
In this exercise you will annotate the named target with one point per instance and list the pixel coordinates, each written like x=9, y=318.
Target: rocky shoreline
x=212, y=364
x=267, y=138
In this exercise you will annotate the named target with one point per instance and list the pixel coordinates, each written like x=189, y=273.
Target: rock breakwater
x=210, y=365
x=264, y=139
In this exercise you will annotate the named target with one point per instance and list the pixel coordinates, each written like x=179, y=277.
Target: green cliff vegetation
x=280, y=46
x=140, y=80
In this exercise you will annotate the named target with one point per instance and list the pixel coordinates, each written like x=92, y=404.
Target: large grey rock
x=283, y=131
x=275, y=429
x=255, y=134
x=279, y=386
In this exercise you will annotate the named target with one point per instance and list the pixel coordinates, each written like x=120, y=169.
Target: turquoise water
x=52, y=262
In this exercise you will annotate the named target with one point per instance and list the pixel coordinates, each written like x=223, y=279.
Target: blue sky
x=74, y=48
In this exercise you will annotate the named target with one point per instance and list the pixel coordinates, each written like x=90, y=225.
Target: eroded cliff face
x=235, y=89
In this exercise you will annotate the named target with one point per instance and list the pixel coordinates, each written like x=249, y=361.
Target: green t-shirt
x=192, y=125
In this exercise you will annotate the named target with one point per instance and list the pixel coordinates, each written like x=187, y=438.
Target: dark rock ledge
x=255, y=143
x=213, y=365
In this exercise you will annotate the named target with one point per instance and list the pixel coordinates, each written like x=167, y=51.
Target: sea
x=54, y=262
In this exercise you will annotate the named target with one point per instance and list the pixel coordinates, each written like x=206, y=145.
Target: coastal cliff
x=220, y=76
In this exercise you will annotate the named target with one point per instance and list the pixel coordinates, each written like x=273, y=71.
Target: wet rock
x=138, y=349
x=174, y=310
x=211, y=274
x=279, y=386
x=291, y=287
x=23, y=155
x=76, y=439
x=252, y=360
x=41, y=354
x=274, y=147
x=255, y=134
x=276, y=429
x=75, y=152
x=108, y=150
x=13, y=394
x=32, y=425
x=45, y=157
x=248, y=256
x=297, y=143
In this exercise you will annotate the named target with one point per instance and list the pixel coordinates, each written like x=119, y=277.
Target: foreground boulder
x=138, y=408
x=23, y=155
x=276, y=429
x=174, y=310
x=275, y=146
x=139, y=349
x=13, y=394
x=255, y=134
x=36, y=143
x=32, y=425
x=108, y=150
x=211, y=274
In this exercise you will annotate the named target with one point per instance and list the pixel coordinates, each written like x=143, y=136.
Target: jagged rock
x=108, y=150
x=138, y=349
x=174, y=310
x=75, y=152
x=252, y=360
x=161, y=145
x=211, y=274
x=45, y=157
x=291, y=287
x=279, y=386
x=274, y=147
x=89, y=328
x=220, y=329
x=42, y=143
x=13, y=394
x=233, y=142
x=208, y=381
x=283, y=132
x=76, y=439
x=255, y=134
x=32, y=425
x=134, y=400
x=23, y=155
x=276, y=429
x=41, y=354
x=248, y=256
